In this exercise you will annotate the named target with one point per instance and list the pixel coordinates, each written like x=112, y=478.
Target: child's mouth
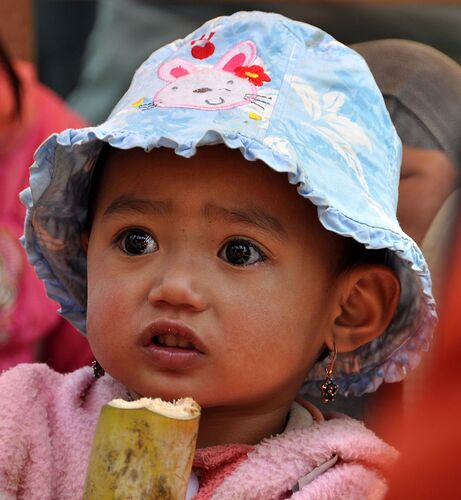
x=174, y=352
x=173, y=345
x=168, y=340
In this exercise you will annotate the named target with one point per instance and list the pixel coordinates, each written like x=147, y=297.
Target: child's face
x=216, y=253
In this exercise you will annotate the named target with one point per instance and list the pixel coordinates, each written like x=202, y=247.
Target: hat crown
x=287, y=85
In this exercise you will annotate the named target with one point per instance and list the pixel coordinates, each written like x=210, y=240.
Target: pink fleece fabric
x=47, y=422
x=31, y=316
x=277, y=464
x=214, y=464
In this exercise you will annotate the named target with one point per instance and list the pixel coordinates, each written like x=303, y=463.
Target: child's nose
x=178, y=288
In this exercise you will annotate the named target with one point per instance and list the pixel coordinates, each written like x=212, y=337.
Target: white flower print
x=280, y=144
x=339, y=131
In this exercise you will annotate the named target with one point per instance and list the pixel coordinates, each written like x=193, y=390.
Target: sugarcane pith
x=139, y=453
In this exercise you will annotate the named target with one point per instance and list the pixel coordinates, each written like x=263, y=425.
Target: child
x=200, y=271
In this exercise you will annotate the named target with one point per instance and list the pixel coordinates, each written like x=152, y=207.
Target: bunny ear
x=176, y=68
x=242, y=54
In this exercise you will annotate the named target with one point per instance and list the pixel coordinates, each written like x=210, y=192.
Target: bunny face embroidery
x=230, y=83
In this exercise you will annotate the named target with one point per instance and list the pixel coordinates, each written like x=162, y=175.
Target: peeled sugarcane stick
x=143, y=450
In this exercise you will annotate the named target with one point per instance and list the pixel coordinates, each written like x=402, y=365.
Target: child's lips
x=172, y=344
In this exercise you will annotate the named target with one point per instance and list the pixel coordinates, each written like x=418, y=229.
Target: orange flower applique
x=255, y=74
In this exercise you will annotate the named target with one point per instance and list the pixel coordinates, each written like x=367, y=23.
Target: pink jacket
x=27, y=316
x=47, y=421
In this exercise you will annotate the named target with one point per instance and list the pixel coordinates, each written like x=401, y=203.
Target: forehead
x=215, y=172
x=216, y=175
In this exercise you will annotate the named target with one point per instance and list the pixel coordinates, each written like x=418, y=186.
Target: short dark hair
x=356, y=253
x=95, y=183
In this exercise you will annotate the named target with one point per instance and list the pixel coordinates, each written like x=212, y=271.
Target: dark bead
x=98, y=370
x=328, y=390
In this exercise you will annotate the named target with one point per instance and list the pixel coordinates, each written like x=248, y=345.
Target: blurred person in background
x=430, y=437
x=30, y=329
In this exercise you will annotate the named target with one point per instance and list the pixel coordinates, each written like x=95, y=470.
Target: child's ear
x=367, y=297
x=84, y=240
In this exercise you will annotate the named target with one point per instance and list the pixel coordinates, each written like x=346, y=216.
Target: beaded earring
x=98, y=370
x=329, y=389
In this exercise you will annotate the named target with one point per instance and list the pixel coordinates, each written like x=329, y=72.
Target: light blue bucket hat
x=280, y=91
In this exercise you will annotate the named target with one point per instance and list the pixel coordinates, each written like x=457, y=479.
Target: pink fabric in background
x=27, y=316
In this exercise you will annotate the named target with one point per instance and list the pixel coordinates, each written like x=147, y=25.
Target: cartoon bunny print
x=230, y=83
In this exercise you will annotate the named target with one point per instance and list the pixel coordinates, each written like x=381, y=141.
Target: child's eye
x=240, y=252
x=136, y=242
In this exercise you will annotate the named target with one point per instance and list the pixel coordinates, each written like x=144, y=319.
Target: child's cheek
x=267, y=325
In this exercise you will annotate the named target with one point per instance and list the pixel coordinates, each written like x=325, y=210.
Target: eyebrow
x=126, y=203
x=250, y=216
